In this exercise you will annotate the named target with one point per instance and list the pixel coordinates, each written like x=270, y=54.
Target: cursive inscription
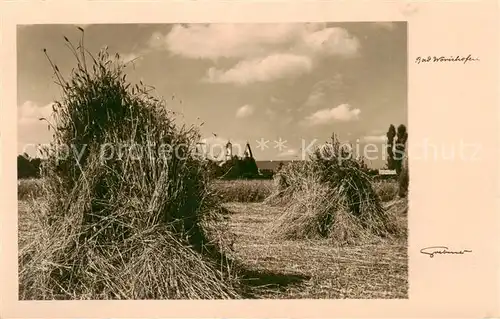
x=452, y=58
x=431, y=251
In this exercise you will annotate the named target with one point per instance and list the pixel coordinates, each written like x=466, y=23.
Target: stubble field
x=281, y=268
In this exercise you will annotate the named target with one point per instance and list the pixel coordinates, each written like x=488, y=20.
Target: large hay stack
x=129, y=225
x=331, y=196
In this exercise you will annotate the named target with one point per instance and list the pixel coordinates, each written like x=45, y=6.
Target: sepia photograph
x=213, y=161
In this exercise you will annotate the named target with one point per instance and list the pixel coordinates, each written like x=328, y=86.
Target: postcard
x=284, y=159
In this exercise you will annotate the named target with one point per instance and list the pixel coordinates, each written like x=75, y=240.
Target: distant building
x=229, y=151
x=270, y=165
x=387, y=172
x=248, y=151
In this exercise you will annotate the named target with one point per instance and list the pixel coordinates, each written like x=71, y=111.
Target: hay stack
x=122, y=227
x=330, y=198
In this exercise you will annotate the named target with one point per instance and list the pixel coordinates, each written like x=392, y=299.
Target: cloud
x=30, y=112
x=343, y=113
x=257, y=47
x=157, y=41
x=375, y=138
x=214, y=41
x=265, y=69
x=245, y=111
x=331, y=41
x=321, y=89
x=32, y=131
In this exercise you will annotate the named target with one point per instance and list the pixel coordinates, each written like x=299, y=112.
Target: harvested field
x=288, y=269
x=242, y=190
x=314, y=268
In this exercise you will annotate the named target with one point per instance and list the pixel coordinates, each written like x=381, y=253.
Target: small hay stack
x=127, y=219
x=330, y=196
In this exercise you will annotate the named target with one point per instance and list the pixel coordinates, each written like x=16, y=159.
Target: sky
x=292, y=85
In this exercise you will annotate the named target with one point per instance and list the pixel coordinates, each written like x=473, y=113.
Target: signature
x=431, y=251
x=455, y=58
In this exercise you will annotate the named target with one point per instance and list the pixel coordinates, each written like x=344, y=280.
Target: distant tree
x=404, y=180
x=249, y=168
x=28, y=167
x=232, y=168
x=214, y=170
x=391, y=133
x=280, y=166
x=402, y=137
x=266, y=173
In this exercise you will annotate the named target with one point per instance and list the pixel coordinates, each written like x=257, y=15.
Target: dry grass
x=242, y=190
x=325, y=199
x=386, y=190
x=136, y=226
x=288, y=269
x=153, y=264
x=315, y=268
x=29, y=188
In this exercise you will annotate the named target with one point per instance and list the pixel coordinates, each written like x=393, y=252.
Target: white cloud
x=29, y=112
x=375, y=138
x=265, y=69
x=258, y=45
x=213, y=41
x=343, y=112
x=245, y=111
x=157, y=40
x=31, y=131
x=331, y=41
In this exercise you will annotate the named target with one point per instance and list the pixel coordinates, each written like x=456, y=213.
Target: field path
x=313, y=269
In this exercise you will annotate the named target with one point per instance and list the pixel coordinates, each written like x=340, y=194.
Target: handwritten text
x=431, y=251
x=437, y=59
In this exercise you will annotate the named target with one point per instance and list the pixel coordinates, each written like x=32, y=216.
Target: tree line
x=28, y=167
